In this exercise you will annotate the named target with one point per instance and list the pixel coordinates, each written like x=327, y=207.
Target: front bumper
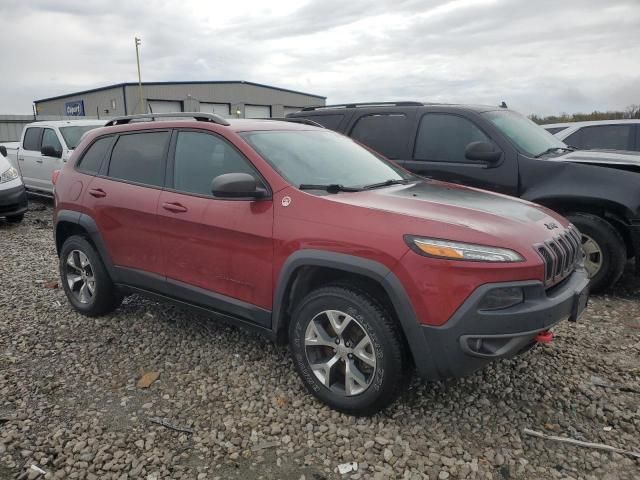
x=474, y=337
x=13, y=201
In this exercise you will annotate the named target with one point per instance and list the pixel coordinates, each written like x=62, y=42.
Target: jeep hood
x=604, y=158
x=491, y=214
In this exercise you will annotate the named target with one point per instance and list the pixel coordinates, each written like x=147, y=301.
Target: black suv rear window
x=139, y=158
x=32, y=139
x=386, y=133
x=92, y=159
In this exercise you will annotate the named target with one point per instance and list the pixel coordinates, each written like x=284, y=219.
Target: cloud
x=540, y=57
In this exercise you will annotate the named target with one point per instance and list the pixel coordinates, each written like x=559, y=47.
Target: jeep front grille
x=560, y=255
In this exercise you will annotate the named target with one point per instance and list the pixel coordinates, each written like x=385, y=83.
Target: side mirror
x=483, y=152
x=3, y=150
x=50, y=151
x=236, y=185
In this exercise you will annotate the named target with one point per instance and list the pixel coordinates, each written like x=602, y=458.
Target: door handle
x=39, y=161
x=21, y=159
x=174, y=207
x=97, y=192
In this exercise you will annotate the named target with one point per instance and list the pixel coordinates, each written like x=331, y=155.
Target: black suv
x=498, y=149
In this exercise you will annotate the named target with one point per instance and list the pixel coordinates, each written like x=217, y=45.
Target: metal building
x=235, y=99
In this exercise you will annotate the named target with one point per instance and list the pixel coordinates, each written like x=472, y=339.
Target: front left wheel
x=348, y=350
x=85, y=279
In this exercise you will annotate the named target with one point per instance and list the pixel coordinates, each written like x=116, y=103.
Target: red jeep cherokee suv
x=302, y=234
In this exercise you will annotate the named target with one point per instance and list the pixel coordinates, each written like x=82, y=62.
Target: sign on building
x=74, y=109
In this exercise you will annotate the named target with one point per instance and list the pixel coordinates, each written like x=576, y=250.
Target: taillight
x=54, y=176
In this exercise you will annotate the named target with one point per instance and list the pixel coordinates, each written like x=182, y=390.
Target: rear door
x=30, y=158
x=219, y=251
x=123, y=200
x=439, y=152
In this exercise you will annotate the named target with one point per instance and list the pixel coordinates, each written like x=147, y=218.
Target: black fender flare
x=371, y=269
x=89, y=225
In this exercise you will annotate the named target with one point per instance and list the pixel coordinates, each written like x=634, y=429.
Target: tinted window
x=50, y=139
x=32, y=139
x=386, y=134
x=200, y=158
x=139, y=158
x=554, y=130
x=327, y=121
x=443, y=138
x=92, y=159
x=617, y=137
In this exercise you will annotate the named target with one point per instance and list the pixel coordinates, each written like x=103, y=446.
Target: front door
x=219, y=251
x=123, y=202
x=439, y=152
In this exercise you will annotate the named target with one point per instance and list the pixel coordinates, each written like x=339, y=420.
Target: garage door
x=164, y=106
x=222, y=109
x=288, y=110
x=257, y=111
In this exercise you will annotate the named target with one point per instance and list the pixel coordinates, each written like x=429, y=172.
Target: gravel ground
x=70, y=403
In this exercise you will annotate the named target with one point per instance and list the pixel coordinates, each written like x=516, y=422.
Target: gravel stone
x=69, y=401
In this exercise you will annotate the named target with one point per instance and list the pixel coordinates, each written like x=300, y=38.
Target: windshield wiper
x=330, y=188
x=386, y=183
x=553, y=149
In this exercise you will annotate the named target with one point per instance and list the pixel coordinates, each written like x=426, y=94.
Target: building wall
x=237, y=95
x=95, y=103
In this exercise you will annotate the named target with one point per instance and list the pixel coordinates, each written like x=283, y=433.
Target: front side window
x=92, y=159
x=443, y=138
x=614, y=137
x=386, y=134
x=322, y=158
x=200, y=157
x=32, y=138
x=139, y=158
x=73, y=135
x=554, y=130
x=528, y=137
x=50, y=139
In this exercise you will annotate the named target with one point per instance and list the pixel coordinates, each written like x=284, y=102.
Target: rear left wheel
x=347, y=350
x=85, y=279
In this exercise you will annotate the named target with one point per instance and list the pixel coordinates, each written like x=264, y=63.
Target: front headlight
x=8, y=175
x=437, y=248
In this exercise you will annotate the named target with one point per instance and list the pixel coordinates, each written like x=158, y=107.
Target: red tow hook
x=544, y=337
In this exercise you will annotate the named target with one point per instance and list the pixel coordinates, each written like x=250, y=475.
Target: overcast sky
x=539, y=56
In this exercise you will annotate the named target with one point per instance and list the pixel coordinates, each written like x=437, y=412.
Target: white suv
x=600, y=134
x=13, y=197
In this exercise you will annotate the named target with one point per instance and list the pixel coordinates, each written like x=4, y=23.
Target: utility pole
x=138, y=42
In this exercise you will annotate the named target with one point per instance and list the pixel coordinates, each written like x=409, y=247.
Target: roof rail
x=365, y=104
x=200, y=117
x=304, y=121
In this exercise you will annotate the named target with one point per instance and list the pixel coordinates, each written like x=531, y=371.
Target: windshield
x=529, y=138
x=72, y=135
x=305, y=157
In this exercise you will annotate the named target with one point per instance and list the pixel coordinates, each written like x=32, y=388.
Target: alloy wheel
x=593, y=255
x=79, y=276
x=340, y=352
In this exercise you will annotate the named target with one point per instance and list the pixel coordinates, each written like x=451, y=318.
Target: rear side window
x=139, y=158
x=92, y=159
x=386, y=134
x=554, y=130
x=32, y=138
x=443, y=138
x=200, y=157
x=616, y=137
x=327, y=121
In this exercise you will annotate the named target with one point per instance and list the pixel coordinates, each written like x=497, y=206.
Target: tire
x=359, y=314
x=15, y=218
x=613, y=251
x=105, y=297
